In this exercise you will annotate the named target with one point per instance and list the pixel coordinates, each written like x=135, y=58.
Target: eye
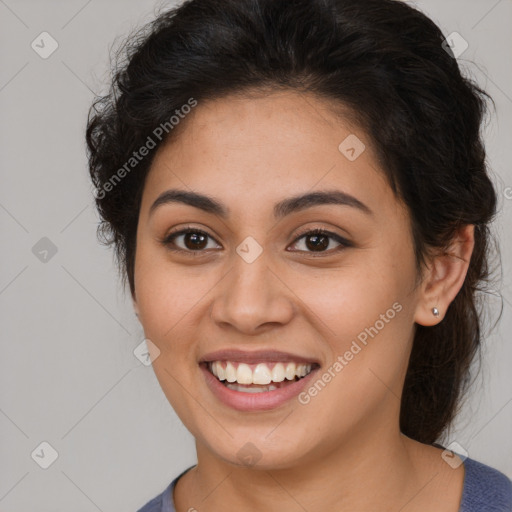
x=195, y=240
x=319, y=239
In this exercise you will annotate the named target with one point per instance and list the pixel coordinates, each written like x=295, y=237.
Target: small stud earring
x=435, y=311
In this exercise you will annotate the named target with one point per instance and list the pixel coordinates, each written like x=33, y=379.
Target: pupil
x=197, y=240
x=315, y=244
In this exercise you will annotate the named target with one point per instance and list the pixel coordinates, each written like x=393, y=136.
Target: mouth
x=260, y=377
x=257, y=381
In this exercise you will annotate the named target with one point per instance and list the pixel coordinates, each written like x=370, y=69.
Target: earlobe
x=444, y=278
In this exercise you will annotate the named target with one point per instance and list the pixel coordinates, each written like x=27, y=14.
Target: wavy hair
x=385, y=64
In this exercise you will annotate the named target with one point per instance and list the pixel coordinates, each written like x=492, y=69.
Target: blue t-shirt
x=485, y=490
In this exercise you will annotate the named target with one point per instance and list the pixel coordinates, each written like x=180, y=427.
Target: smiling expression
x=251, y=277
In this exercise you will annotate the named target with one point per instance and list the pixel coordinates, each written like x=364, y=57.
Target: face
x=233, y=284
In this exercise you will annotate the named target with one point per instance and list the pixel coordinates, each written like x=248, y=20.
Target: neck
x=372, y=469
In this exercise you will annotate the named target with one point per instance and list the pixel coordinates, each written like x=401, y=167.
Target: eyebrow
x=281, y=209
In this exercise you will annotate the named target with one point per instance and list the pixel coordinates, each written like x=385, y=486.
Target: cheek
x=165, y=295
x=362, y=312
x=169, y=302
x=164, y=303
x=365, y=375
x=345, y=301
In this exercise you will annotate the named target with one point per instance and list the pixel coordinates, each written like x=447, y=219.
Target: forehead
x=252, y=152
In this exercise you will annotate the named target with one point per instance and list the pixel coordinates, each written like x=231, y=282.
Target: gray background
x=68, y=373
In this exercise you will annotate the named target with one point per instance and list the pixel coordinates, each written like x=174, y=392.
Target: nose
x=252, y=298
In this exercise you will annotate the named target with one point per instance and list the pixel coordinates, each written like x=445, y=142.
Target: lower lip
x=262, y=401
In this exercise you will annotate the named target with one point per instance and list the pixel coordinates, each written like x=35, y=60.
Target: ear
x=444, y=277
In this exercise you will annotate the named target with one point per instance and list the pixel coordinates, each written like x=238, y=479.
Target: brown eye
x=317, y=240
x=194, y=240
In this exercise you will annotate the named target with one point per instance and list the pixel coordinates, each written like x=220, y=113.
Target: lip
x=254, y=402
x=257, y=356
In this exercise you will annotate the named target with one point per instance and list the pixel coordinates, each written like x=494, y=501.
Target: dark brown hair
x=384, y=62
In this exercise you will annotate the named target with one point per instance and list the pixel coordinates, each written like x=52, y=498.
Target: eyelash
x=168, y=241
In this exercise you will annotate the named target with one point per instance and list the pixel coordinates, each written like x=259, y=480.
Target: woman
x=298, y=197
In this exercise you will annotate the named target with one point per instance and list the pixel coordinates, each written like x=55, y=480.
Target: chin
x=260, y=452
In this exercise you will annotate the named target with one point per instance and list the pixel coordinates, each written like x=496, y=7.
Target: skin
x=343, y=450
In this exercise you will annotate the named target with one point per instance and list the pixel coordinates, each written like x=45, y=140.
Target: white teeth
x=261, y=375
x=278, y=373
x=243, y=389
x=290, y=371
x=221, y=373
x=244, y=374
x=230, y=372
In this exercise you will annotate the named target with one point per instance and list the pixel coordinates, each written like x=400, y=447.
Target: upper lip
x=255, y=356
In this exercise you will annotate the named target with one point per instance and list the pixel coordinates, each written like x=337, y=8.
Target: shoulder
x=156, y=504
x=164, y=501
x=485, y=488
